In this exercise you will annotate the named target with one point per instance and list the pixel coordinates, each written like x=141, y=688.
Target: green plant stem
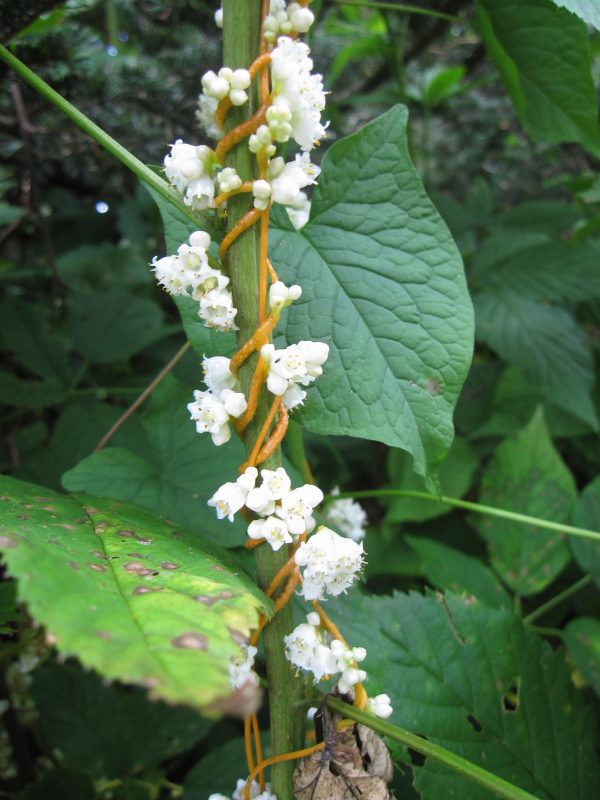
x=241, y=46
x=401, y=7
x=543, y=631
x=294, y=447
x=488, y=780
x=478, y=508
x=145, y=173
x=557, y=599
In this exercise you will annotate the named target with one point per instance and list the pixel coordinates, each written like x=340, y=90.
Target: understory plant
x=323, y=298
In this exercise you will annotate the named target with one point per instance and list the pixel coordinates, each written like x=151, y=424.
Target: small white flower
x=258, y=500
x=205, y=115
x=276, y=483
x=288, y=179
x=218, y=376
x=297, y=506
x=281, y=296
x=189, y=168
x=261, y=190
x=349, y=678
x=347, y=516
x=235, y=402
x=300, y=17
x=231, y=497
x=241, y=668
x=217, y=310
x=210, y=416
x=272, y=529
x=380, y=705
x=331, y=564
x=300, y=213
x=228, y=180
x=304, y=649
x=219, y=24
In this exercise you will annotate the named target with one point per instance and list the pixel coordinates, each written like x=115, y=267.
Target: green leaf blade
x=132, y=596
x=383, y=285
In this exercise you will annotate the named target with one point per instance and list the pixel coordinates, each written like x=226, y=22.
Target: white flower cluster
x=285, y=20
x=348, y=516
x=241, y=669
x=307, y=647
x=285, y=182
x=212, y=409
x=294, y=366
x=255, y=793
x=189, y=274
x=283, y=512
x=227, y=83
x=331, y=563
x=191, y=169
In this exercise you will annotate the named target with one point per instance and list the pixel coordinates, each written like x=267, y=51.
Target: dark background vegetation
x=77, y=234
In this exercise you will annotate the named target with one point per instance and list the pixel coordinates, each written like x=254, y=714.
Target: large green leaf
x=546, y=342
x=472, y=679
x=111, y=731
x=587, y=515
x=458, y=572
x=552, y=271
x=113, y=325
x=543, y=57
x=383, y=284
x=456, y=473
x=171, y=469
x=135, y=597
x=587, y=10
x=582, y=637
x=527, y=475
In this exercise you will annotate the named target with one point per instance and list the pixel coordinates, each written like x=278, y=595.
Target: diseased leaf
x=137, y=598
x=527, y=475
x=582, y=638
x=457, y=572
x=543, y=57
x=382, y=284
x=587, y=515
x=171, y=470
x=472, y=679
x=546, y=342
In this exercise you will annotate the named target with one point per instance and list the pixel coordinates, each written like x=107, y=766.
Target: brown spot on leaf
x=74, y=565
x=68, y=527
x=126, y=534
x=99, y=554
x=191, y=641
x=237, y=636
x=104, y=635
x=6, y=543
x=101, y=527
x=143, y=540
x=48, y=508
x=144, y=590
x=218, y=568
x=90, y=510
x=136, y=555
x=210, y=600
x=150, y=683
x=169, y=565
x=23, y=516
x=136, y=568
x=97, y=567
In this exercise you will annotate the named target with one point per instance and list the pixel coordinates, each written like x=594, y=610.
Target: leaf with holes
x=472, y=679
x=383, y=285
x=526, y=474
x=587, y=515
x=582, y=638
x=133, y=596
x=543, y=57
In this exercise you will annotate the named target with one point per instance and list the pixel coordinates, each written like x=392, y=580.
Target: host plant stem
x=241, y=36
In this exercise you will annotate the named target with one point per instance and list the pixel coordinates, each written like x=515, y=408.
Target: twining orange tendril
x=307, y=751
x=275, y=438
x=259, y=64
x=285, y=570
x=272, y=273
x=255, y=342
x=258, y=750
x=328, y=624
x=250, y=544
x=251, y=460
x=248, y=743
x=281, y=601
x=224, y=196
x=224, y=107
x=240, y=132
x=259, y=377
x=243, y=224
x=263, y=269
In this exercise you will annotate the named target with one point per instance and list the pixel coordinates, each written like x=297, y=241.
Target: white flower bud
x=219, y=24
x=240, y=79
x=238, y=97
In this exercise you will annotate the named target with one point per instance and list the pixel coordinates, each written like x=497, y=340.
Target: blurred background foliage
x=85, y=329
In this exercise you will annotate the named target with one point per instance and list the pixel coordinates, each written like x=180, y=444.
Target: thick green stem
x=499, y=786
x=241, y=46
x=478, y=508
x=145, y=173
x=557, y=599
